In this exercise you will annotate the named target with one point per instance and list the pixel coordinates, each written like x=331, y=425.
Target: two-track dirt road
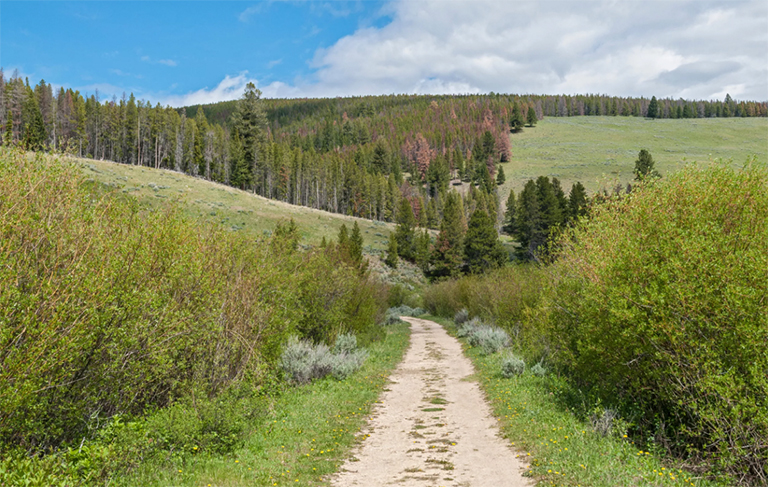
x=432, y=426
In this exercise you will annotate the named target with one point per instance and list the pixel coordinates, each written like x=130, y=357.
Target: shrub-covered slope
x=109, y=308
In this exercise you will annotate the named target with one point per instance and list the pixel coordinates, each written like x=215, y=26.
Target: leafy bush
x=461, y=316
x=489, y=338
x=512, y=366
x=108, y=308
x=345, y=364
x=660, y=304
x=507, y=296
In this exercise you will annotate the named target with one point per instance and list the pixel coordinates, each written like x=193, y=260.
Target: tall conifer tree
x=482, y=248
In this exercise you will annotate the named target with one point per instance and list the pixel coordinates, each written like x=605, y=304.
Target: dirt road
x=433, y=426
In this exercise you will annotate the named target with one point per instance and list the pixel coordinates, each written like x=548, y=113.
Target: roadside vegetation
x=134, y=337
x=563, y=440
x=650, y=316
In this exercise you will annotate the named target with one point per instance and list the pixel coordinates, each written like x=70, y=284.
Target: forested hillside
x=346, y=155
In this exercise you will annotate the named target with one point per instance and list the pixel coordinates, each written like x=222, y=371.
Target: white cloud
x=684, y=48
x=230, y=88
x=619, y=48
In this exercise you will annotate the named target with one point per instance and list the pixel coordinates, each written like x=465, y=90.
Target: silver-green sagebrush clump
x=512, y=366
x=302, y=361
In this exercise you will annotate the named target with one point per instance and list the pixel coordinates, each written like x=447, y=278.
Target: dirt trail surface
x=432, y=426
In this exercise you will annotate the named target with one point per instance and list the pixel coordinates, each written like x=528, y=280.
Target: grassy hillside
x=601, y=151
x=233, y=208
x=246, y=212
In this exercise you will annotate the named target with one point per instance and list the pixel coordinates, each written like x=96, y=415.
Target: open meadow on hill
x=601, y=151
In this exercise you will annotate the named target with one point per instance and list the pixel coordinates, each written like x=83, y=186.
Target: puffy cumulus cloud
x=694, y=49
x=678, y=48
x=230, y=88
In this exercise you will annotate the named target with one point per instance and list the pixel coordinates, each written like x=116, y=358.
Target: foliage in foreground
x=660, y=303
x=549, y=423
x=108, y=309
x=655, y=309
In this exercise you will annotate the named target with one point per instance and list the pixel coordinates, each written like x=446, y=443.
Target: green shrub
x=506, y=296
x=391, y=319
x=108, y=308
x=660, y=306
x=512, y=366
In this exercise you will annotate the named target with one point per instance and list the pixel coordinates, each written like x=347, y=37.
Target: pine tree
x=653, y=108
x=199, y=149
x=250, y=121
x=516, y=122
x=644, y=166
x=550, y=206
x=239, y=173
x=483, y=178
x=482, y=248
x=343, y=238
x=577, y=201
x=510, y=215
x=500, y=177
x=532, y=117
x=422, y=250
x=432, y=220
x=448, y=253
x=530, y=227
x=391, y=259
x=404, y=233
x=489, y=147
x=356, y=245
x=379, y=162
x=8, y=138
x=286, y=236
x=34, y=131
x=561, y=199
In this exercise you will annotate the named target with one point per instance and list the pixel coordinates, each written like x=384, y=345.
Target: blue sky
x=195, y=52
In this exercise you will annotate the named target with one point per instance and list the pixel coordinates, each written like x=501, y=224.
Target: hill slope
x=236, y=209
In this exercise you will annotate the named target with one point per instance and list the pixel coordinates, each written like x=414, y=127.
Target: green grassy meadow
x=601, y=151
x=233, y=208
